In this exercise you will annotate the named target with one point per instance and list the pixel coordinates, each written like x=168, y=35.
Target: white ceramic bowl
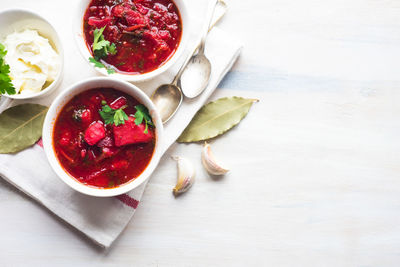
x=80, y=41
x=64, y=98
x=19, y=19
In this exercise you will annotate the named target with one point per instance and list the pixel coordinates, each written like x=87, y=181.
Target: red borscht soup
x=104, y=138
x=142, y=34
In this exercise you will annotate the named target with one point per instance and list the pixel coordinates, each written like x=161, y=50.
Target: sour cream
x=34, y=64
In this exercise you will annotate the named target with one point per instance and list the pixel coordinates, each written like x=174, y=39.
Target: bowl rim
x=77, y=29
x=58, y=46
x=66, y=96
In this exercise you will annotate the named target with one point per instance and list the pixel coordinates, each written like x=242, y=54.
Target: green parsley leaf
x=101, y=47
x=98, y=64
x=6, y=85
x=97, y=34
x=110, y=71
x=138, y=118
x=120, y=117
x=145, y=112
x=107, y=113
x=113, y=116
x=112, y=49
x=142, y=113
x=3, y=51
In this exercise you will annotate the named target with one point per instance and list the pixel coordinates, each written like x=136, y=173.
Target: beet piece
x=134, y=17
x=118, y=103
x=86, y=116
x=65, y=139
x=83, y=153
x=94, y=133
x=130, y=133
x=83, y=116
x=154, y=37
x=118, y=11
x=99, y=23
x=142, y=9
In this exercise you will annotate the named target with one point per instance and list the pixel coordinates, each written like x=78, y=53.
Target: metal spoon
x=197, y=74
x=168, y=97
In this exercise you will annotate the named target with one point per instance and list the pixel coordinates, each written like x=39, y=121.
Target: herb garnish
x=101, y=49
x=5, y=81
x=113, y=116
x=142, y=113
x=118, y=116
x=98, y=64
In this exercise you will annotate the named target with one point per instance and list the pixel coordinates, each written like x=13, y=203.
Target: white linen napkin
x=103, y=219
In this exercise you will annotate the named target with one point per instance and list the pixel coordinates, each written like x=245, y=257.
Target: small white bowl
x=81, y=43
x=64, y=98
x=12, y=20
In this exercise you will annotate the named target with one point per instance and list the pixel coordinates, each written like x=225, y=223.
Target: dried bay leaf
x=216, y=118
x=20, y=127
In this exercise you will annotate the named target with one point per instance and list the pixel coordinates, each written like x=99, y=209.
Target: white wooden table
x=315, y=177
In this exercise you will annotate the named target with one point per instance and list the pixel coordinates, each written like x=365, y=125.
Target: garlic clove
x=209, y=162
x=186, y=175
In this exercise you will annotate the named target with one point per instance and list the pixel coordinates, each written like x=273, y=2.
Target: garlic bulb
x=209, y=162
x=186, y=175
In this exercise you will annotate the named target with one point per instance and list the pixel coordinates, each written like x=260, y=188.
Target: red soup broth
x=100, y=165
x=146, y=32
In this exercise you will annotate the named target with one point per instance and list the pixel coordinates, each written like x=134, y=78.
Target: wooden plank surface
x=315, y=177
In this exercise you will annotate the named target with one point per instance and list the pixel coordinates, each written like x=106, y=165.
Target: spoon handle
x=209, y=27
x=213, y=4
x=179, y=74
x=218, y=13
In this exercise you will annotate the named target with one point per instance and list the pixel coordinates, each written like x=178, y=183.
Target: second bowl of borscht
x=133, y=40
x=103, y=136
